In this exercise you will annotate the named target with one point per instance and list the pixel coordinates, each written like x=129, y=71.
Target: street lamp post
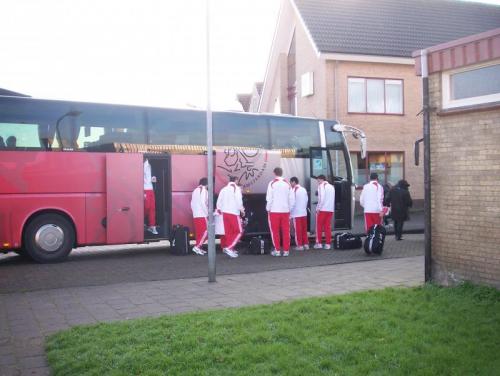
x=210, y=161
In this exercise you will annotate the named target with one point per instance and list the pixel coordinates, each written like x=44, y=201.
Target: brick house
x=351, y=60
x=464, y=101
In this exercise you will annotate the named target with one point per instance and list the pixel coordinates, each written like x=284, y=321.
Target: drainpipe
x=427, y=165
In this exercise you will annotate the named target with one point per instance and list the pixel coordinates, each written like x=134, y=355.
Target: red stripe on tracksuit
x=372, y=219
x=300, y=226
x=277, y=222
x=150, y=207
x=324, y=224
x=200, y=229
x=232, y=230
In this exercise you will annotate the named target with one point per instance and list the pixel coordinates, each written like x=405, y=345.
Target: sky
x=147, y=52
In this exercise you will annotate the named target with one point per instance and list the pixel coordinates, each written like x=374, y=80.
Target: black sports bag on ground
x=374, y=242
x=346, y=240
x=179, y=240
x=259, y=246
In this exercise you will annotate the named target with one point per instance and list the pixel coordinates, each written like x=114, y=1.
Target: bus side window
x=19, y=136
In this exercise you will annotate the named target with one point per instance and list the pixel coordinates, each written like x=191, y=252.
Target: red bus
x=72, y=172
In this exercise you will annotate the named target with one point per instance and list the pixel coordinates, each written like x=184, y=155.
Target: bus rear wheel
x=49, y=238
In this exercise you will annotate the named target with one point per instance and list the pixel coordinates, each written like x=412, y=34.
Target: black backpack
x=179, y=240
x=346, y=240
x=374, y=242
x=259, y=246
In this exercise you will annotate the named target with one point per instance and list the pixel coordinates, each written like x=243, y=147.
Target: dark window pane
x=98, y=124
x=177, y=127
x=475, y=83
x=294, y=133
x=359, y=169
x=333, y=139
x=231, y=129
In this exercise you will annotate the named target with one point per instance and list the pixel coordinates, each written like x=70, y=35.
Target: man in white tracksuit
x=199, y=207
x=324, y=212
x=371, y=199
x=280, y=200
x=299, y=214
x=230, y=204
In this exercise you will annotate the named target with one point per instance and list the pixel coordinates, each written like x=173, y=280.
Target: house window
x=388, y=165
x=307, y=84
x=472, y=86
x=375, y=96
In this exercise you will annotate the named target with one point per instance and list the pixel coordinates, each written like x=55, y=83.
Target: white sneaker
x=299, y=248
x=327, y=246
x=286, y=253
x=230, y=252
x=306, y=247
x=275, y=253
x=318, y=246
x=198, y=251
x=152, y=229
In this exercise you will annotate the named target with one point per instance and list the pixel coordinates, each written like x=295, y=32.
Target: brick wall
x=465, y=189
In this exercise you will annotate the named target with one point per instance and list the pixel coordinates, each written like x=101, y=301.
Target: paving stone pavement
x=105, y=265
x=27, y=317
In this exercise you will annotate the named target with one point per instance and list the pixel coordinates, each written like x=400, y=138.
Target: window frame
x=448, y=103
x=384, y=79
x=367, y=175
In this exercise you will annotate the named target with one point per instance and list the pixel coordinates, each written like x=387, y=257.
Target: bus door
x=160, y=169
x=332, y=163
x=124, y=198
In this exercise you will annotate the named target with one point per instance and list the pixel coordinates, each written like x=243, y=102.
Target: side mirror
x=363, y=147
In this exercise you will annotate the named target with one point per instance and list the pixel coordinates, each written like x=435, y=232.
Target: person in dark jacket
x=400, y=200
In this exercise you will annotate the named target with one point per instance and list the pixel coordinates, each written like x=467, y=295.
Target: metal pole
x=427, y=165
x=210, y=161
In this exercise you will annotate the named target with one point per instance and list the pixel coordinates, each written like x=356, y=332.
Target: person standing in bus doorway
x=280, y=199
x=324, y=212
x=371, y=199
x=399, y=199
x=299, y=215
x=199, y=206
x=230, y=205
x=149, y=198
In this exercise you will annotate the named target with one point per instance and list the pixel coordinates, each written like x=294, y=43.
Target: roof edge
x=458, y=42
x=304, y=25
x=367, y=58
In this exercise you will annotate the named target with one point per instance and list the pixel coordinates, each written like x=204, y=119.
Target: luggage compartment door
x=124, y=198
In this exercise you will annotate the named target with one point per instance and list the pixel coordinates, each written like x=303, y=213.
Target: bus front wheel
x=49, y=238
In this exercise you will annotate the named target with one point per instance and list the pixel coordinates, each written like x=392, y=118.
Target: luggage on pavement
x=179, y=240
x=374, y=242
x=259, y=246
x=346, y=240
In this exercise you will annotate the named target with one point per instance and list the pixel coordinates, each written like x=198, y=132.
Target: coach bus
x=71, y=173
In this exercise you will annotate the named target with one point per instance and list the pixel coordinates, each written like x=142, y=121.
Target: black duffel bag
x=259, y=246
x=374, y=242
x=346, y=240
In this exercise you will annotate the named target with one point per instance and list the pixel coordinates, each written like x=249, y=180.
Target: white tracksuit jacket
x=372, y=197
x=299, y=209
x=279, y=197
x=326, y=197
x=199, y=202
x=230, y=199
x=148, y=185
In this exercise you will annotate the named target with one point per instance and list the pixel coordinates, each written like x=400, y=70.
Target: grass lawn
x=419, y=331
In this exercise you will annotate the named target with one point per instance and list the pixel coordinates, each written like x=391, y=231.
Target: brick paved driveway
x=118, y=264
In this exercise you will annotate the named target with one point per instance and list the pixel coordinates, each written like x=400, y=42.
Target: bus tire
x=48, y=238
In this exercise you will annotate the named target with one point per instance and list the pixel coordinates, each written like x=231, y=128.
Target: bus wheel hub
x=49, y=237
